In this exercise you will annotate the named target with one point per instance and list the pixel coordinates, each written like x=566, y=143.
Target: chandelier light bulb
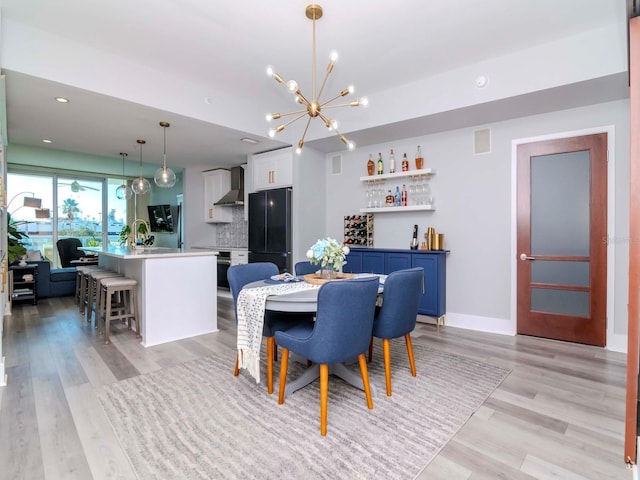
x=334, y=56
x=292, y=85
x=272, y=132
x=351, y=145
x=269, y=117
x=351, y=89
x=364, y=101
x=270, y=70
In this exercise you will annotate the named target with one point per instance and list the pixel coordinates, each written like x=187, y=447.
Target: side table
x=24, y=283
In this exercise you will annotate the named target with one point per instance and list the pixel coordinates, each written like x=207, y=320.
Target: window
x=85, y=208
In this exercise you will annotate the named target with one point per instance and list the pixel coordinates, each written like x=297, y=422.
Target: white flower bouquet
x=328, y=253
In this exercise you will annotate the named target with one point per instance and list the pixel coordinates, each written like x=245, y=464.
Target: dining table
x=299, y=297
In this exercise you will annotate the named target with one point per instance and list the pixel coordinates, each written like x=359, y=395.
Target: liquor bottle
x=403, y=196
x=397, y=198
x=389, y=199
x=371, y=167
x=405, y=163
x=419, y=158
x=380, y=164
x=392, y=163
x=414, y=240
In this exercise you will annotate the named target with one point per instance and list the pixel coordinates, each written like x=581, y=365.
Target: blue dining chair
x=304, y=268
x=397, y=316
x=342, y=330
x=241, y=275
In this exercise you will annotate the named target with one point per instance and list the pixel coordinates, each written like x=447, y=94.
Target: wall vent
x=482, y=141
x=336, y=165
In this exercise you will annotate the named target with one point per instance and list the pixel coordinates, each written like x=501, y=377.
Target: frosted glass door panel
x=560, y=193
x=560, y=273
x=562, y=302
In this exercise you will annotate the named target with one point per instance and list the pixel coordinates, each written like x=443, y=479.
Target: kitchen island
x=176, y=289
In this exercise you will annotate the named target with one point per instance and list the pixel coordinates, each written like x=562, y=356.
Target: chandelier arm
x=304, y=133
x=291, y=113
x=355, y=103
x=326, y=76
x=334, y=98
x=313, y=68
x=284, y=125
x=303, y=98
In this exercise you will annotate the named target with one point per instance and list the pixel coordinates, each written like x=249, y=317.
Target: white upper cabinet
x=216, y=184
x=272, y=169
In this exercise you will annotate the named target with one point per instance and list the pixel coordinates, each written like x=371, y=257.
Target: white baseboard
x=3, y=376
x=474, y=322
x=615, y=342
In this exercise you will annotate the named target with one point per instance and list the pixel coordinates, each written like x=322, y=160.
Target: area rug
x=198, y=421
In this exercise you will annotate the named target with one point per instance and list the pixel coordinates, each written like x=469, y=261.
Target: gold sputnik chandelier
x=313, y=107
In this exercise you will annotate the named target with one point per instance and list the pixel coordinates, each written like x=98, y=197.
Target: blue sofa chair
x=57, y=282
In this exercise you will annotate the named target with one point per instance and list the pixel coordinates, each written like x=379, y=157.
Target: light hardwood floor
x=558, y=415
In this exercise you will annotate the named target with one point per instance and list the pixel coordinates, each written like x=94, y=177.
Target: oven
x=224, y=262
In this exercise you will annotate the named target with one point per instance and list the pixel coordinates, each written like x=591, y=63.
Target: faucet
x=140, y=229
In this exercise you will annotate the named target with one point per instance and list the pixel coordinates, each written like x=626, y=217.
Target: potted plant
x=15, y=248
x=124, y=235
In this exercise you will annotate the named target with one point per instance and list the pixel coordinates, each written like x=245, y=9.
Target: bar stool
x=82, y=275
x=93, y=292
x=125, y=291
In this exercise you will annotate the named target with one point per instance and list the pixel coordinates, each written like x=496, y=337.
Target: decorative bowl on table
x=319, y=278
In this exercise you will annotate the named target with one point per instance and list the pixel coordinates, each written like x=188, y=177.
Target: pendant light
x=140, y=185
x=164, y=177
x=123, y=192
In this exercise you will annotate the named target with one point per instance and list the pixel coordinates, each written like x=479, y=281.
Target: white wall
x=196, y=231
x=473, y=201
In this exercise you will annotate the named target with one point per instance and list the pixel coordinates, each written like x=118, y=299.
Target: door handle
x=524, y=256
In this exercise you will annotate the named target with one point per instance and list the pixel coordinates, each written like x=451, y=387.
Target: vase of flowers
x=329, y=254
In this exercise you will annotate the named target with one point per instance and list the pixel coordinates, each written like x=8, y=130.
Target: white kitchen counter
x=176, y=289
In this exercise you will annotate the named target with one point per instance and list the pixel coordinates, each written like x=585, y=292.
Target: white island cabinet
x=176, y=289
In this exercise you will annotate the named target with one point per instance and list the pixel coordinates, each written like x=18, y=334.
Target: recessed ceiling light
x=248, y=140
x=62, y=100
x=46, y=140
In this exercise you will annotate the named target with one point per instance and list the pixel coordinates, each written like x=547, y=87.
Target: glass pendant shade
x=164, y=176
x=123, y=192
x=140, y=185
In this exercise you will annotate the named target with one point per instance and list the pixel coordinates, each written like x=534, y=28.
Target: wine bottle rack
x=358, y=230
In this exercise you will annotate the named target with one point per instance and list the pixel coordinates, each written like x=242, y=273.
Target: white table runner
x=251, y=307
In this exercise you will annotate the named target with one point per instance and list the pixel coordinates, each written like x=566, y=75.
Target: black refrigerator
x=270, y=227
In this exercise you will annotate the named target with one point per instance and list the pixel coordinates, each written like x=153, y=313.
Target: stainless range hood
x=235, y=196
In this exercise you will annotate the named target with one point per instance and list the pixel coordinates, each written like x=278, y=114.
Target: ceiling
x=226, y=46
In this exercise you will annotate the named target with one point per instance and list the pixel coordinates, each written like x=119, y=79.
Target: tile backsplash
x=233, y=234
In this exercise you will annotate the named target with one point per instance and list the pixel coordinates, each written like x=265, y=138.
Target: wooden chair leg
x=386, y=350
x=271, y=341
x=324, y=397
x=284, y=365
x=236, y=370
x=370, y=349
x=412, y=360
x=362, y=360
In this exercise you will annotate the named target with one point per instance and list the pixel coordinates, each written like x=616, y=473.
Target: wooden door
x=562, y=239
